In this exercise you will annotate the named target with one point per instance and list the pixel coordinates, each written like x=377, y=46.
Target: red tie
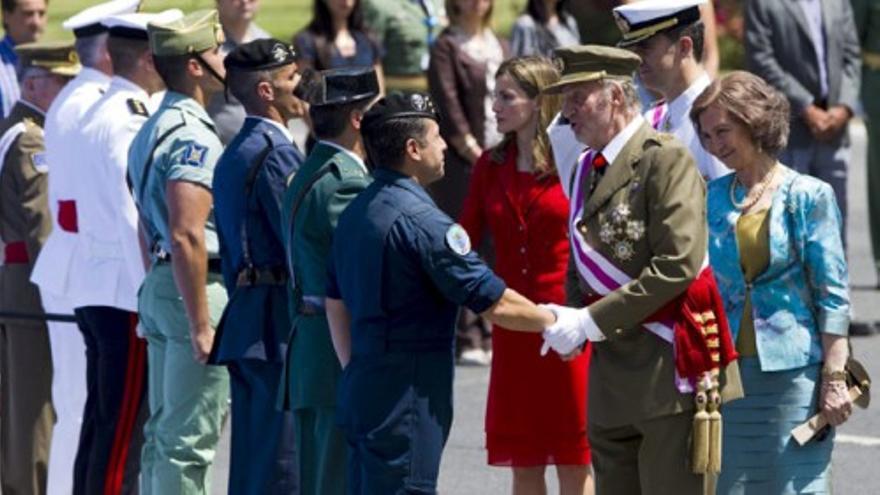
x=599, y=162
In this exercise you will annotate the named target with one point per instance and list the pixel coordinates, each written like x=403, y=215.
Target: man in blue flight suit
x=249, y=183
x=392, y=308
x=331, y=177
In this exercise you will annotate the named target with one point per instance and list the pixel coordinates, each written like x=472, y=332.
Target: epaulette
x=137, y=107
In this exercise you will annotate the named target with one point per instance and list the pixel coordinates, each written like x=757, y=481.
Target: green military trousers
x=188, y=400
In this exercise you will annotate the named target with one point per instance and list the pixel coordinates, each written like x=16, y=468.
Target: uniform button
x=522, y=250
x=618, y=331
x=524, y=271
x=521, y=228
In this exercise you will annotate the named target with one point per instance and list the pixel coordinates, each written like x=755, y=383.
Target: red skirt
x=536, y=414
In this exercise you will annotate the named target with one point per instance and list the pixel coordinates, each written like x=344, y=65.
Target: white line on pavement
x=860, y=440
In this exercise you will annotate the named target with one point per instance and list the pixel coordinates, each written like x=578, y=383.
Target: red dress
x=536, y=411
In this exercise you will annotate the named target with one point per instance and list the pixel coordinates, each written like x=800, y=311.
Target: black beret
x=262, y=54
x=340, y=86
x=400, y=106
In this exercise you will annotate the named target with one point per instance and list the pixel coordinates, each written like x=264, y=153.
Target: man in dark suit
x=809, y=50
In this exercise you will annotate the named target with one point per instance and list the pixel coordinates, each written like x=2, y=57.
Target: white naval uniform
x=674, y=117
x=64, y=144
x=110, y=270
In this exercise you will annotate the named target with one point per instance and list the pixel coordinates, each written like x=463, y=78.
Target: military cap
x=58, y=58
x=134, y=26
x=88, y=22
x=340, y=86
x=194, y=33
x=585, y=63
x=400, y=106
x=261, y=54
x=640, y=20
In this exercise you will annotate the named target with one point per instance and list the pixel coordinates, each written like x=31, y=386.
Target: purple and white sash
x=601, y=274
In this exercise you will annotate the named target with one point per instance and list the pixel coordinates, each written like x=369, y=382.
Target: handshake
x=572, y=328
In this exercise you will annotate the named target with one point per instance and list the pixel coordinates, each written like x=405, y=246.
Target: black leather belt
x=214, y=264
x=249, y=277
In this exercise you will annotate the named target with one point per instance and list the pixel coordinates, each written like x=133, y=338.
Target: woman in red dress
x=536, y=412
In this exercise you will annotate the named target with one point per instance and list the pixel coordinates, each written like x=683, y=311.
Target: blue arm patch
x=195, y=154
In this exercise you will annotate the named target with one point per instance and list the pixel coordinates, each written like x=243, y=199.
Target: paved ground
x=856, y=454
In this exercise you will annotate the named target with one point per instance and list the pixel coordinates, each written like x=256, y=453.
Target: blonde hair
x=532, y=75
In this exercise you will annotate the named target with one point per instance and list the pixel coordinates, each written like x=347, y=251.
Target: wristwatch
x=833, y=375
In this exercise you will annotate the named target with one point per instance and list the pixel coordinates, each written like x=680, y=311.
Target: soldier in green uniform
x=25, y=359
x=170, y=166
x=867, y=15
x=332, y=175
x=407, y=28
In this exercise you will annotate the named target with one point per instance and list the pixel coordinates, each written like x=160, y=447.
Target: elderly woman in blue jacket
x=775, y=247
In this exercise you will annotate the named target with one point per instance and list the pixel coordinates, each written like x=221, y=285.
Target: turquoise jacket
x=804, y=290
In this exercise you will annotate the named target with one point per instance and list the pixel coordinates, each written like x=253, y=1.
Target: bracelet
x=833, y=375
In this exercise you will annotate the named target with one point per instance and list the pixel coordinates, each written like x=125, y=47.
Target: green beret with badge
x=194, y=33
x=586, y=63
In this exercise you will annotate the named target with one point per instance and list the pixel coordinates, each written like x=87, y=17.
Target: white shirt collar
x=126, y=85
x=680, y=108
x=348, y=152
x=281, y=128
x=90, y=74
x=615, y=146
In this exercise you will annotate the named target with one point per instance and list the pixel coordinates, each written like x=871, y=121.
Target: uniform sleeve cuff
x=486, y=295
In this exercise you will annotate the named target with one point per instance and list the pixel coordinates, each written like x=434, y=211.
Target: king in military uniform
x=170, y=166
x=25, y=359
x=249, y=184
x=331, y=177
x=639, y=237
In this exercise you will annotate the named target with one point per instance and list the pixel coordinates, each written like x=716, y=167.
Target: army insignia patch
x=195, y=154
x=418, y=102
x=137, y=107
x=457, y=239
x=279, y=53
x=559, y=63
x=40, y=163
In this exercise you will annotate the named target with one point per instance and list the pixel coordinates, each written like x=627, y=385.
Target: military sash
x=7, y=139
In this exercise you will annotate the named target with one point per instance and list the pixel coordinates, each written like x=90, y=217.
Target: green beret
x=585, y=63
x=58, y=58
x=194, y=33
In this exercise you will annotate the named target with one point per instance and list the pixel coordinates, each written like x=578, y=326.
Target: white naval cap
x=88, y=22
x=640, y=20
x=134, y=26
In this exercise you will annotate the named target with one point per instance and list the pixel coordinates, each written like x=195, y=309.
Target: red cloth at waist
x=15, y=253
x=694, y=348
x=67, y=215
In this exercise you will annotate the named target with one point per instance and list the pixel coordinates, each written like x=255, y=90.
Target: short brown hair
x=752, y=102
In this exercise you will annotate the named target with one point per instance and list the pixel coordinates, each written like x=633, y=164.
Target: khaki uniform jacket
x=24, y=209
x=653, y=189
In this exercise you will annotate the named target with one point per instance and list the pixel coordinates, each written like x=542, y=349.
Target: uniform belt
x=416, y=82
x=310, y=306
x=261, y=276
x=214, y=264
x=67, y=218
x=15, y=253
x=871, y=60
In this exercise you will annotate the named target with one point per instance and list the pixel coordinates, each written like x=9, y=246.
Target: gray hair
x=90, y=49
x=631, y=100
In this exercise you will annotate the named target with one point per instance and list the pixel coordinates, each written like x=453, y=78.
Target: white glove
x=573, y=326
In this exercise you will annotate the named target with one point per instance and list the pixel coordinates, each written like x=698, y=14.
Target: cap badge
x=418, y=102
x=279, y=52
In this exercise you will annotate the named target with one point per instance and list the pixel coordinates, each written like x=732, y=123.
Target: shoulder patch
x=137, y=107
x=195, y=154
x=39, y=162
x=458, y=240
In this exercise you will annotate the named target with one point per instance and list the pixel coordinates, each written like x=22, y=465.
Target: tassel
x=700, y=452
x=714, y=406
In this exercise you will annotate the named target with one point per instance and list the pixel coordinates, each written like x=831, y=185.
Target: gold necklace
x=762, y=188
